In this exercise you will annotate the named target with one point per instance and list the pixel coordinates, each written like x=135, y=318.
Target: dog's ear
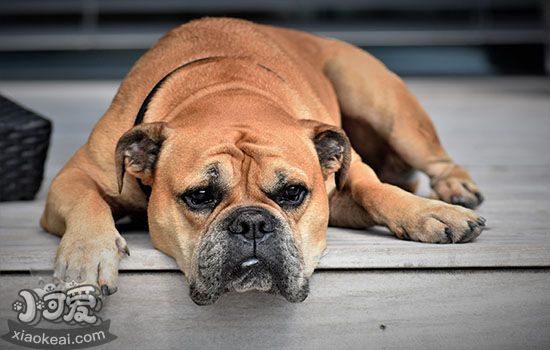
x=333, y=149
x=137, y=152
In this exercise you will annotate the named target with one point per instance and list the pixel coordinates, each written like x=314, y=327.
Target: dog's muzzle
x=249, y=248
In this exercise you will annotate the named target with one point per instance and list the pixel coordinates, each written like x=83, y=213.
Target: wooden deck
x=493, y=293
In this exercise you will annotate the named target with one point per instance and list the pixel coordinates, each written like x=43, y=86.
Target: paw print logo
x=72, y=284
x=17, y=306
x=39, y=304
x=49, y=287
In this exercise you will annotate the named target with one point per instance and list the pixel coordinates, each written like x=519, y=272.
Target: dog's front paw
x=90, y=259
x=456, y=187
x=431, y=221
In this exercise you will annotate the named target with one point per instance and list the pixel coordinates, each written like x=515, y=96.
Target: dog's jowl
x=242, y=143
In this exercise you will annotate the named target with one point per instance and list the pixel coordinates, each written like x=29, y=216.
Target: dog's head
x=240, y=202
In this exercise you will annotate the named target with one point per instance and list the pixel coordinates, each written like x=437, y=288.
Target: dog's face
x=240, y=205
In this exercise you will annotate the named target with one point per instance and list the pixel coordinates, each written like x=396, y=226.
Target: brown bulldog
x=228, y=134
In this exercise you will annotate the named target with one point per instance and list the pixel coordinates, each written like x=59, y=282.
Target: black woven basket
x=24, y=141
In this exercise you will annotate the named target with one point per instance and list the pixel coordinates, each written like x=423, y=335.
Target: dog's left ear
x=333, y=149
x=137, y=152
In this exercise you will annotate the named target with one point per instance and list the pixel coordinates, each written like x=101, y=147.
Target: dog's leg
x=91, y=247
x=379, y=155
x=345, y=212
x=368, y=92
x=406, y=215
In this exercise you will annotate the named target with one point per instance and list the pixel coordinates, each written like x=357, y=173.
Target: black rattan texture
x=24, y=141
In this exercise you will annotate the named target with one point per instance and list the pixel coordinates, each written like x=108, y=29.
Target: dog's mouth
x=225, y=264
x=251, y=274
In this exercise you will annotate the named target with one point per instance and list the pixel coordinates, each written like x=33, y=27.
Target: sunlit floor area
x=371, y=289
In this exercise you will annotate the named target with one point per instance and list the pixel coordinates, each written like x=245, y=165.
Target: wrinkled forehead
x=231, y=156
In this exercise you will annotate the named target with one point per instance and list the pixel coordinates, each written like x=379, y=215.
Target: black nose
x=253, y=224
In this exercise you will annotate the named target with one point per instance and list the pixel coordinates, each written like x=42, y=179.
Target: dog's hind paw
x=456, y=187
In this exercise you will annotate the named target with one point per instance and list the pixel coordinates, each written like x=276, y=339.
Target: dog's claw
x=449, y=233
x=479, y=197
x=105, y=290
x=481, y=221
x=122, y=246
x=475, y=229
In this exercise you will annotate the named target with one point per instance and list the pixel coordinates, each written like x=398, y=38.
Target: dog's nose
x=253, y=224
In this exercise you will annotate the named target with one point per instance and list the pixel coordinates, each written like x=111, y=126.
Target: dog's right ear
x=137, y=152
x=333, y=149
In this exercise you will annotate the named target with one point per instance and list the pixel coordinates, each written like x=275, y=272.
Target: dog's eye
x=291, y=196
x=200, y=198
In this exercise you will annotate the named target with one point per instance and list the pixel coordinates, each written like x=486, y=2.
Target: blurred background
x=100, y=39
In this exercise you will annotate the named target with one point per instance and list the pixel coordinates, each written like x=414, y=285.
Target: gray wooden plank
x=345, y=310
x=30, y=249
